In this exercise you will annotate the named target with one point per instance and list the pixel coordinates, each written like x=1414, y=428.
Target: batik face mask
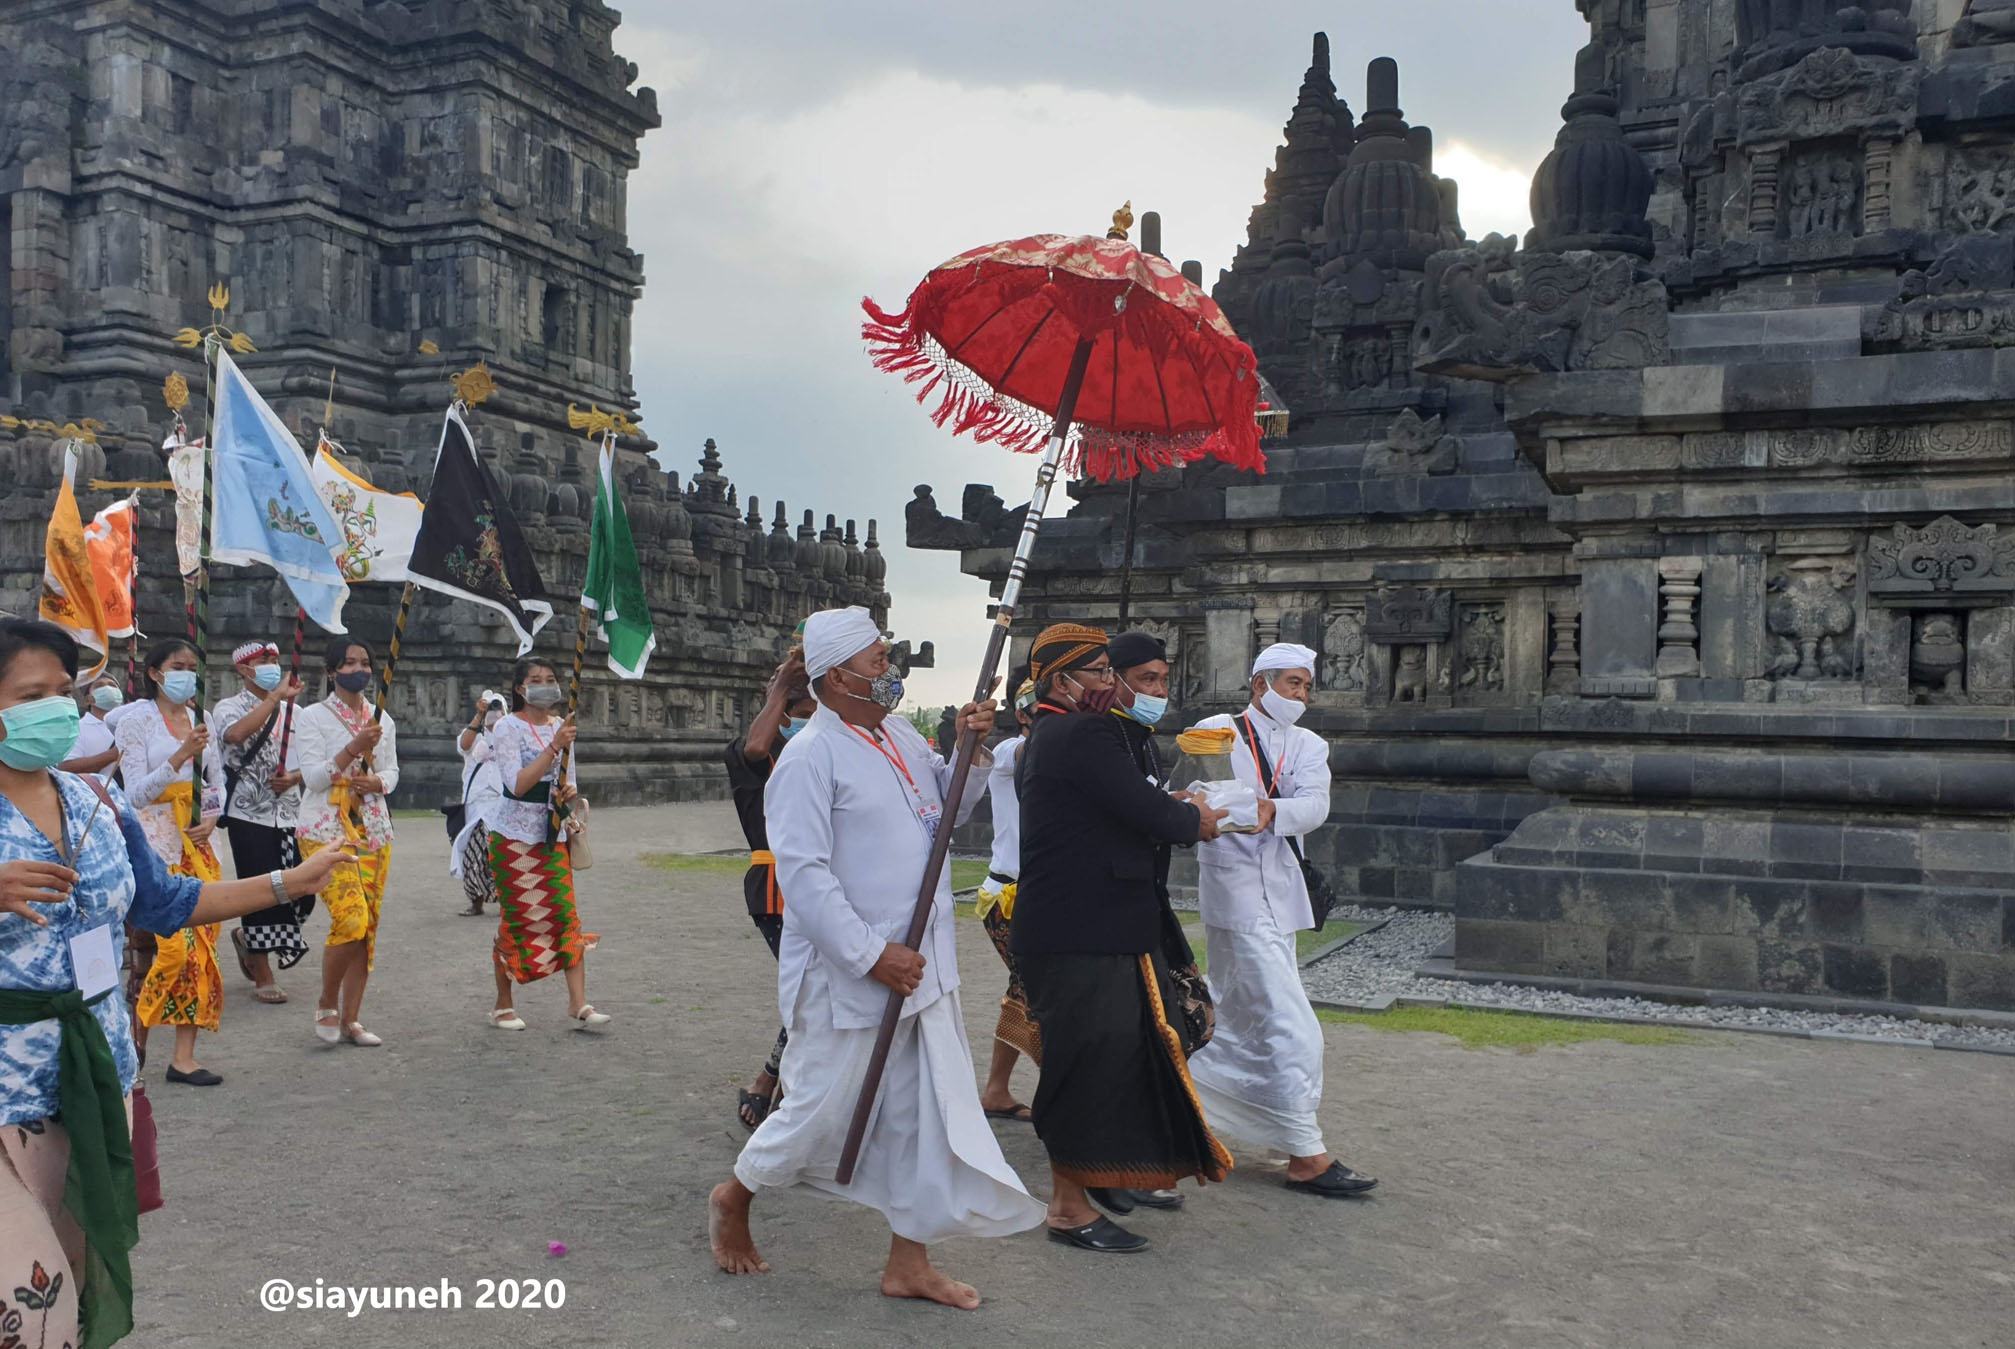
x=1099, y=700
x=885, y=690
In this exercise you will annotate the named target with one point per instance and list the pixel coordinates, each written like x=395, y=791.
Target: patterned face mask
x=885, y=690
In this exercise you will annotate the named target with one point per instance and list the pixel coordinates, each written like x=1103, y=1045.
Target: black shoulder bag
x=1320, y=898
x=233, y=776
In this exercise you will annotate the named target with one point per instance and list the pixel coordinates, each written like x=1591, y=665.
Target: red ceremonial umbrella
x=1023, y=341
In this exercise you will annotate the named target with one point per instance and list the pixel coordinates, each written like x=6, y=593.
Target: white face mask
x=1284, y=710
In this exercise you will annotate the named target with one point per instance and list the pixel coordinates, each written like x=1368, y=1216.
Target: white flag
x=378, y=527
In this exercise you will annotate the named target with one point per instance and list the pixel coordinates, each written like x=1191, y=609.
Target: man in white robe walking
x=1260, y=1077
x=852, y=809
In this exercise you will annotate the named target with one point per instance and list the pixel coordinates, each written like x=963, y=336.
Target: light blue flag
x=265, y=508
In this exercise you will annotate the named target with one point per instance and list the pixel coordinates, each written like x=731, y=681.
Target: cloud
x=806, y=162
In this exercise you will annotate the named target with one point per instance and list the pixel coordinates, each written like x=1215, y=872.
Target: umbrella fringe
x=901, y=344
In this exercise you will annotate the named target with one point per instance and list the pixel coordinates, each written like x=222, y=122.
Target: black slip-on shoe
x=1102, y=1235
x=1161, y=1199
x=202, y=1077
x=1112, y=1201
x=1339, y=1182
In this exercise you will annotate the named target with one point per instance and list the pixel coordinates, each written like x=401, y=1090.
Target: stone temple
x=1661, y=563
x=367, y=176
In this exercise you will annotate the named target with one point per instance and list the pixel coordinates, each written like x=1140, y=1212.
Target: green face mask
x=40, y=734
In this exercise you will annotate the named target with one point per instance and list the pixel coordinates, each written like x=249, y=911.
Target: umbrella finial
x=1122, y=221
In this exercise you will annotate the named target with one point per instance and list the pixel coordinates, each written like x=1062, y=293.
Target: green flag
x=615, y=585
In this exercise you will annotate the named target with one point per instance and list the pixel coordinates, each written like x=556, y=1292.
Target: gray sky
x=814, y=152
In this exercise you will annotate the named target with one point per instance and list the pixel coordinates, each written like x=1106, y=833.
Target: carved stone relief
x=1810, y=614
x=1408, y=614
x=1555, y=312
x=1832, y=92
x=1938, y=658
x=1944, y=562
x=1481, y=650
x=1343, y=650
x=1413, y=445
x=1409, y=675
x=1822, y=195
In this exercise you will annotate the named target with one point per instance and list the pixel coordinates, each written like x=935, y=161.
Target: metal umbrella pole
x=1046, y=474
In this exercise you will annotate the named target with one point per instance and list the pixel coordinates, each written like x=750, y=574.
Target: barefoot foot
x=931, y=1285
x=728, y=1232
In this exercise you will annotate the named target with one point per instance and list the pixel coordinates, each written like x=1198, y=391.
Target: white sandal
x=357, y=1035
x=506, y=1018
x=328, y=1035
x=588, y=1018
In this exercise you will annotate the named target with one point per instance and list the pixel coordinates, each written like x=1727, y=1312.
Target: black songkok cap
x=1135, y=648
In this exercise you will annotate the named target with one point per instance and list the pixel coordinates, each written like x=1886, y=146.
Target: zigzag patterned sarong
x=540, y=933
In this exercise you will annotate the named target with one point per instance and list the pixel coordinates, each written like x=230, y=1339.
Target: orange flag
x=69, y=599
x=109, y=541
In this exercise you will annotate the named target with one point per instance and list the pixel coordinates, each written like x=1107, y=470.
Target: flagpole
x=294, y=674
x=556, y=811
x=199, y=614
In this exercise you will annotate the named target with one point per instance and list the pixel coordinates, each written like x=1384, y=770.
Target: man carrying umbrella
x=853, y=808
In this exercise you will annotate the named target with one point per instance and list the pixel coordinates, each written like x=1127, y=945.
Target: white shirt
x=253, y=799
x=94, y=737
x=1251, y=882
x=482, y=785
x=1007, y=811
x=851, y=849
x=514, y=744
x=320, y=734
x=145, y=747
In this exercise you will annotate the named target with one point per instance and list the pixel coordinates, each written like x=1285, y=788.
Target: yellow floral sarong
x=183, y=986
x=353, y=895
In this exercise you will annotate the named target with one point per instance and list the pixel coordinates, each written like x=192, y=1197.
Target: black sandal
x=1018, y=1113
x=1102, y=1235
x=753, y=1105
x=238, y=945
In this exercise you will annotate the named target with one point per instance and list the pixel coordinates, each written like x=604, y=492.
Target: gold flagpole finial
x=595, y=421
x=1122, y=221
x=175, y=392
x=473, y=385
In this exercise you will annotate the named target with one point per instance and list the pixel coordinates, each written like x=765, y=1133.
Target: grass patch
x=967, y=873
x=698, y=863
x=1505, y=1030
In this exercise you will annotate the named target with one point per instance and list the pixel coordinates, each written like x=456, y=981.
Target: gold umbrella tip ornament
x=175, y=391
x=429, y=348
x=1122, y=221
x=473, y=385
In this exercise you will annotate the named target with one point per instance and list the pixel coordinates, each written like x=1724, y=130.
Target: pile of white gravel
x=1376, y=970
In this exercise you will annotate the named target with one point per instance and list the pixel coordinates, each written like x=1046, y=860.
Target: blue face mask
x=266, y=677
x=179, y=685
x=793, y=726
x=40, y=734
x=1147, y=710
x=107, y=698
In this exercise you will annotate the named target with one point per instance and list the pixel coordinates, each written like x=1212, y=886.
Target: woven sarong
x=1015, y=1029
x=539, y=933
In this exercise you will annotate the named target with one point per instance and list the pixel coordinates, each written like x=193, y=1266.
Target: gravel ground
x=1382, y=963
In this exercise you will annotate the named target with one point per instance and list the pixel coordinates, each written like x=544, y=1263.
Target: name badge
x=213, y=802
x=91, y=959
x=930, y=813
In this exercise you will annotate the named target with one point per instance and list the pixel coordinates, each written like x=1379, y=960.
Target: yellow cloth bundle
x=1218, y=741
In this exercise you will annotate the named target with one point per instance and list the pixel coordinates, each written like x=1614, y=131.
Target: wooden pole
x=293, y=673
x=968, y=748
x=556, y=814
x=1126, y=558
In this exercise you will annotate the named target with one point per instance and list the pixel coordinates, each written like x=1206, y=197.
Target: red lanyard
x=1252, y=743
x=895, y=759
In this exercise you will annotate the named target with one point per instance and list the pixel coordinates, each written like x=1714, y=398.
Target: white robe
x=851, y=849
x=1260, y=1077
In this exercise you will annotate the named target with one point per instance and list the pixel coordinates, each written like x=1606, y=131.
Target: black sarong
x=256, y=850
x=1115, y=1107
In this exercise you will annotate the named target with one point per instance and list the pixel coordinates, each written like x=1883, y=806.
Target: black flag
x=470, y=545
